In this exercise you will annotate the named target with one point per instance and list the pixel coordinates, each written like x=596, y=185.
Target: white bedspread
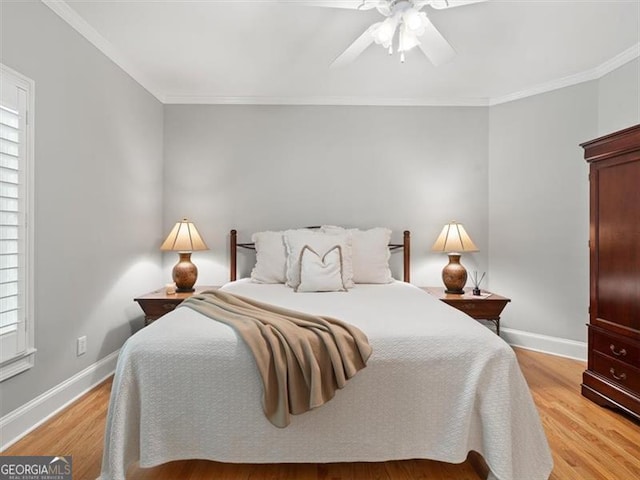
x=437, y=385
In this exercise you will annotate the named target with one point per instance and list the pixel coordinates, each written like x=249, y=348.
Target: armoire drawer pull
x=622, y=376
x=618, y=353
x=169, y=306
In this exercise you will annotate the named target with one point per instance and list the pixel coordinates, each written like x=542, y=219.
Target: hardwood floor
x=588, y=442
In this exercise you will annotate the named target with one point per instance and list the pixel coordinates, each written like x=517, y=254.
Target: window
x=16, y=206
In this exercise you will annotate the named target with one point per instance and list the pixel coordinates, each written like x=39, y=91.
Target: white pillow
x=296, y=240
x=271, y=258
x=370, y=253
x=321, y=274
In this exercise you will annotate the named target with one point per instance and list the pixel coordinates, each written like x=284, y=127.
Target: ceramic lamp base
x=454, y=275
x=185, y=273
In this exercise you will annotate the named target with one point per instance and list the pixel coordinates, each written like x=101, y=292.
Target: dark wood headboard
x=405, y=246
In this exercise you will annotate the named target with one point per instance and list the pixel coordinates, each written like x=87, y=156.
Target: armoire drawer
x=619, y=372
x=614, y=346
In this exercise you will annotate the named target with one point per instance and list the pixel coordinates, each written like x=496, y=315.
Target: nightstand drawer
x=614, y=346
x=480, y=309
x=619, y=372
x=155, y=308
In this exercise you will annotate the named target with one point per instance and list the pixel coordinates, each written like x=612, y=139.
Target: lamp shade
x=454, y=238
x=184, y=237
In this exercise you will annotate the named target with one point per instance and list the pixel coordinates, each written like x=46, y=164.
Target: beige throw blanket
x=302, y=359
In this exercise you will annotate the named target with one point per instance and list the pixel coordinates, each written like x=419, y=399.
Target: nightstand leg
x=496, y=322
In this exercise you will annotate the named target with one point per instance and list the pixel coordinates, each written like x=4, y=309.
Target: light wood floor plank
x=588, y=442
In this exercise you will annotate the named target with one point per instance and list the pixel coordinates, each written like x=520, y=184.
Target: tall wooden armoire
x=612, y=377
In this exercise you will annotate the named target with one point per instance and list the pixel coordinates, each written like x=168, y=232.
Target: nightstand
x=157, y=303
x=487, y=306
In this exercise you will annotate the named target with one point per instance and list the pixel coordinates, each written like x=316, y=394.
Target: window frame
x=24, y=359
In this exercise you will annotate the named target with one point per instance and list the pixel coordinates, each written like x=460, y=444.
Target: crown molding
x=61, y=8
x=599, y=71
x=593, y=74
x=619, y=60
x=328, y=101
x=69, y=15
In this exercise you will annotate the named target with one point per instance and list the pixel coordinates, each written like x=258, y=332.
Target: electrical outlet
x=81, y=345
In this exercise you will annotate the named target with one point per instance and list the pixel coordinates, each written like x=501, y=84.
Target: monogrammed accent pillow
x=321, y=273
x=321, y=243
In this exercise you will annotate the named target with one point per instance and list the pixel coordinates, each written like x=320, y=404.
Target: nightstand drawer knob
x=169, y=306
x=622, y=376
x=617, y=353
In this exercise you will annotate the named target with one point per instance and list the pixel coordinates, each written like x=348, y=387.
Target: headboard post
x=233, y=250
x=406, y=253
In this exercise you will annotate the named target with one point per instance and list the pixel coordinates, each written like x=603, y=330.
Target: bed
x=438, y=386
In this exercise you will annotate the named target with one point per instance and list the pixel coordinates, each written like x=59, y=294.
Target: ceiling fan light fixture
x=414, y=20
x=414, y=28
x=384, y=32
x=407, y=40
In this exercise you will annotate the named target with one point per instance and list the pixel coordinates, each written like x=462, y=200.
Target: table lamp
x=453, y=240
x=184, y=239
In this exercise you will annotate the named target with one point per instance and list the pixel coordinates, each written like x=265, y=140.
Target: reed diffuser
x=476, y=282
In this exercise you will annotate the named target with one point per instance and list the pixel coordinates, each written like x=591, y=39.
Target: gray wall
x=513, y=174
x=538, y=209
x=263, y=167
x=98, y=190
x=619, y=98
x=539, y=198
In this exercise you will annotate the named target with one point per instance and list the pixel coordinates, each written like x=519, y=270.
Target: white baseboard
x=29, y=416
x=560, y=347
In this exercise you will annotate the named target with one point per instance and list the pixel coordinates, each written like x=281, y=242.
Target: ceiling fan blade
x=384, y=8
x=356, y=48
x=348, y=4
x=434, y=45
x=442, y=4
x=418, y=4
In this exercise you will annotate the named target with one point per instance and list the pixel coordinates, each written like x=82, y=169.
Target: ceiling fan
x=404, y=17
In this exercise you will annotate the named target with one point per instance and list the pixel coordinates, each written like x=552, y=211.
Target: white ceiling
x=279, y=51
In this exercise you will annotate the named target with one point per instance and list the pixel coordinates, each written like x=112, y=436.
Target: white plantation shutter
x=16, y=319
x=10, y=135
